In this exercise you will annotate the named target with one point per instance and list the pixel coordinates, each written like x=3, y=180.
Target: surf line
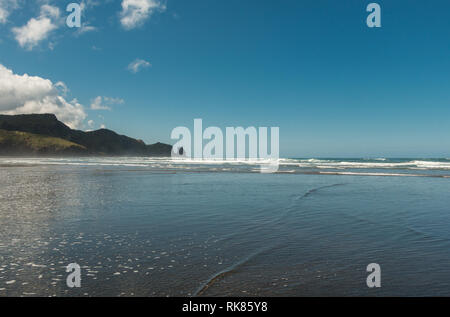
x=229, y=270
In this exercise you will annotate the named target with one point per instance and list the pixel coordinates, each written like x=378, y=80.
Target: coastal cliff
x=44, y=134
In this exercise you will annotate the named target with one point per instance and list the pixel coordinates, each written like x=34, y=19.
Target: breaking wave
x=327, y=166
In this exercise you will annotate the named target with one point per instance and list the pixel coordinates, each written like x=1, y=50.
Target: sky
x=313, y=68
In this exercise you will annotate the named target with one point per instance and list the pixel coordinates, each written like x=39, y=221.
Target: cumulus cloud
x=135, y=12
x=105, y=103
x=137, y=65
x=6, y=7
x=38, y=29
x=23, y=94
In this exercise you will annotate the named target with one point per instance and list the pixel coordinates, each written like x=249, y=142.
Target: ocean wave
x=286, y=165
x=386, y=164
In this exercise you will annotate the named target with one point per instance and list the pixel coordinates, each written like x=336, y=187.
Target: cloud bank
x=23, y=94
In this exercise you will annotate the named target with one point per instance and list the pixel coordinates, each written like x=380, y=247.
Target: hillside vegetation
x=18, y=143
x=99, y=142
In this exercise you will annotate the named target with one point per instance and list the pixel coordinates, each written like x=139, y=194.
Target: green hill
x=20, y=143
x=99, y=142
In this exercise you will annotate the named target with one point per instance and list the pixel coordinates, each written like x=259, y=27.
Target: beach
x=155, y=227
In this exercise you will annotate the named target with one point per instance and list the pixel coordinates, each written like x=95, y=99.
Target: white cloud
x=137, y=65
x=62, y=88
x=87, y=4
x=22, y=94
x=38, y=29
x=135, y=12
x=6, y=7
x=50, y=11
x=85, y=28
x=105, y=103
x=97, y=104
x=116, y=101
x=3, y=15
x=33, y=32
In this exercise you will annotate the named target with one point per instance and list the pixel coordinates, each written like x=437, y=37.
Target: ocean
x=158, y=227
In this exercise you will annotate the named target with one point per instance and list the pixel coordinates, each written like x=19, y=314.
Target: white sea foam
x=415, y=164
x=372, y=174
x=166, y=163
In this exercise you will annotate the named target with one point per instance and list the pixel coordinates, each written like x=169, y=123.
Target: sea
x=163, y=227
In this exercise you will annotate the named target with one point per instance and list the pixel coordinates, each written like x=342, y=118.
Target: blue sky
x=313, y=68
